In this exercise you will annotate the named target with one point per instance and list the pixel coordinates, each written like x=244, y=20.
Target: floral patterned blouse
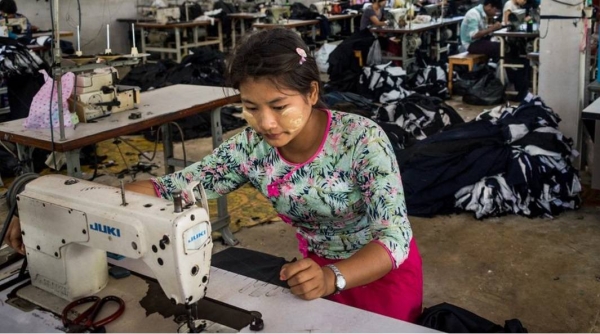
x=347, y=195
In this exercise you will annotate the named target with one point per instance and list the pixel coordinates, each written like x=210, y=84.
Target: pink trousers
x=399, y=294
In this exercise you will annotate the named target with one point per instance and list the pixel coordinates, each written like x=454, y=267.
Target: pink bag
x=39, y=112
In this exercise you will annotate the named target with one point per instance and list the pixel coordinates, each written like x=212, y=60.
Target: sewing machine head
x=68, y=226
x=98, y=95
x=277, y=13
x=399, y=15
x=17, y=25
x=168, y=14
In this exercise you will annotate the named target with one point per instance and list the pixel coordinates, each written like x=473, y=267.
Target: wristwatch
x=340, y=281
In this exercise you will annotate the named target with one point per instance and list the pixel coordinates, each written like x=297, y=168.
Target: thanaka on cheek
x=292, y=119
x=250, y=119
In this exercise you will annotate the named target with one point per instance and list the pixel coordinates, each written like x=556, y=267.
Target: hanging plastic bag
x=374, y=56
x=322, y=57
x=39, y=112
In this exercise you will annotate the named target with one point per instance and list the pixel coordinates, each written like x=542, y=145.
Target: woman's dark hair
x=272, y=54
x=8, y=7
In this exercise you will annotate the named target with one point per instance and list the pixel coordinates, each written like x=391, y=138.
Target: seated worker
x=514, y=7
x=8, y=10
x=373, y=15
x=332, y=175
x=475, y=33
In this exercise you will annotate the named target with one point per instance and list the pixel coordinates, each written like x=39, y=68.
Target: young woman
x=330, y=174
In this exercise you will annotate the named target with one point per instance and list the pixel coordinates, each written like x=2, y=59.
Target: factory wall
x=94, y=15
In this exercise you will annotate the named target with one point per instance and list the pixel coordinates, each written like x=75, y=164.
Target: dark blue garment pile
x=510, y=160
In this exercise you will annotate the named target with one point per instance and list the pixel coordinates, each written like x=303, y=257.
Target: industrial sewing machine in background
x=17, y=25
x=68, y=225
x=162, y=15
x=98, y=95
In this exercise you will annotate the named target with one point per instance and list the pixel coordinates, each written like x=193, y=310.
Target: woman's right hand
x=13, y=236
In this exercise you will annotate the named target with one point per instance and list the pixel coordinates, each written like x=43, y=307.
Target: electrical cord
x=140, y=151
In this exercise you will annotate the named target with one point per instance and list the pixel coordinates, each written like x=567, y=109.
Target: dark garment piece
x=435, y=168
x=486, y=91
x=449, y=318
x=486, y=47
x=344, y=69
x=227, y=8
x=359, y=102
x=253, y=264
x=150, y=75
x=21, y=89
x=520, y=77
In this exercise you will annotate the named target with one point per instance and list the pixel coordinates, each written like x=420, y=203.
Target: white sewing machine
x=17, y=25
x=162, y=15
x=96, y=95
x=69, y=224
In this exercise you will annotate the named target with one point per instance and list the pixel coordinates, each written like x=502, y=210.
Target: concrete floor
x=545, y=272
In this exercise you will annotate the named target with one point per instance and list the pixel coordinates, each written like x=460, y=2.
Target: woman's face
x=278, y=114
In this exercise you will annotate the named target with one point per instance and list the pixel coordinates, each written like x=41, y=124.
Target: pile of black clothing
x=386, y=83
x=205, y=66
x=19, y=69
x=405, y=121
x=509, y=160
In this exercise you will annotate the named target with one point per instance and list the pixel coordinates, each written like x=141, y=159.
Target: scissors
x=86, y=321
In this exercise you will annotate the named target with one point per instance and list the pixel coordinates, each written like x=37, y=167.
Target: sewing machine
x=277, y=13
x=68, y=225
x=17, y=25
x=162, y=15
x=399, y=17
x=96, y=95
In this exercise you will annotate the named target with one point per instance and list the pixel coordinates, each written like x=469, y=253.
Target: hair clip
x=302, y=54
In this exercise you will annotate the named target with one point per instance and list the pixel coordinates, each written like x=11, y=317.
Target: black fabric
x=227, y=8
x=449, y=318
x=204, y=67
x=253, y=264
x=466, y=80
x=299, y=11
x=344, y=69
x=486, y=47
x=495, y=165
x=359, y=101
x=488, y=90
x=21, y=89
x=9, y=164
x=150, y=75
x=194, y=10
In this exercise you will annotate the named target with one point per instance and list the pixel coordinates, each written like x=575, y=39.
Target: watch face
x=340, y=282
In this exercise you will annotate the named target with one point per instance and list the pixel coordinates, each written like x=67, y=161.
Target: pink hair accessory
x=302, y=54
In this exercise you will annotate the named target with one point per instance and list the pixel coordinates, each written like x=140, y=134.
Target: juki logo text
x=197, y=236
x=106, y=229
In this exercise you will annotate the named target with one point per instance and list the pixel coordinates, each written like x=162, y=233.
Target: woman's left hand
x=307, y=279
